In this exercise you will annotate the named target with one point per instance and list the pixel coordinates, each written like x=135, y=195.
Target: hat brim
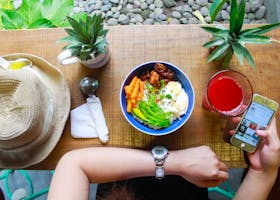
x=58, y=88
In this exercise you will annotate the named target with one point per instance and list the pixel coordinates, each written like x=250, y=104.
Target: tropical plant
x=36, y=14
x=225, y=42
x=87, y=38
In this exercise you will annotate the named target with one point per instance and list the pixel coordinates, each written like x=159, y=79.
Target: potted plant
x=86, y=42
x=225, y=42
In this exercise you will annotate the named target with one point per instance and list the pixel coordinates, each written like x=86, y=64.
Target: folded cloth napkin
x=88, y=121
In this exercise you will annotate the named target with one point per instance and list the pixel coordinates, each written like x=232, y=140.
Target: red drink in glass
x=228, y=93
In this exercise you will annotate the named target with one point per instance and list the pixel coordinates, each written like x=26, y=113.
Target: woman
x=198, y=165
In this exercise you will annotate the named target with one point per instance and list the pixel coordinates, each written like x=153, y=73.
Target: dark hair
x=115, y=192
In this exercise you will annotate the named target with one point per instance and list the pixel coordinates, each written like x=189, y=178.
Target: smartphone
x=258, y=116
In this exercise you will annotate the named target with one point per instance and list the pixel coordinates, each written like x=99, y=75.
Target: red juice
x=225, y=94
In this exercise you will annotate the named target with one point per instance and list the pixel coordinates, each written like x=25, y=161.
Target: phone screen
x=257, y=117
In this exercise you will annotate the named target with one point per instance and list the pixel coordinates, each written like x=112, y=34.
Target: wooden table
x=131, y=46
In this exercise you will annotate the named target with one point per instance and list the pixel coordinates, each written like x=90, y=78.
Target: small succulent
x=226, y=42
x=87, y=38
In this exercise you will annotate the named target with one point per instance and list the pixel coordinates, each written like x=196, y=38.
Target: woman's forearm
x=256, y=185
x=78, y=168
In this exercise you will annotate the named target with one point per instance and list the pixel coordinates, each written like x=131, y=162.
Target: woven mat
x=131, y=46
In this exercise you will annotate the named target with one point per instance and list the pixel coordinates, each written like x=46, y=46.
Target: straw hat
x=34, y=107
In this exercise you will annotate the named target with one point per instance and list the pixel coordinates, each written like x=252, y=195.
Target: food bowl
x=180, y=76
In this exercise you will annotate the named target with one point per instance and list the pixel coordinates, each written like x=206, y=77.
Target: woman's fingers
x=223, y=166
x=222, y=176
x=228, y=131
x=231, y=132
x=235, y=120
x=211, y=183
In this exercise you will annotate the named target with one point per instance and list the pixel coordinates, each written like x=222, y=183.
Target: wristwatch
x=159, y=153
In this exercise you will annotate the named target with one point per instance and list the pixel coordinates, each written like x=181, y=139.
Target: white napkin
x=88, y=121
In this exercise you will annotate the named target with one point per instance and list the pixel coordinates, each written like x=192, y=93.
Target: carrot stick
x=141, y=90
x=129, y=105
x=135, y=89
x=129, y=88
x=127, y=91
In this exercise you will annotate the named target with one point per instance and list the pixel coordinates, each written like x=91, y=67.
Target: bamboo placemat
x=131, y=46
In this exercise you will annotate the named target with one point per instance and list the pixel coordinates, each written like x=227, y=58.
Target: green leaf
x=80, y=29
x=12, y=20
x=261, y=29
x=233, y=16
x=101, y=44
x=215, y=42
x=237, y=47
x=240, y=19
x=95, y=26
x=216, y=6
x=56, y=11
x=30, y=10
x=227, y=57
x=72, y=43
x=254, y=39
x=42, y=23
x=211, y=29
x=76, y=36
x=216, y=31
x=218, y=52
x=249, y=31
x=76, y=51
x=103, y=33
x=248, y=56
x=68, y=39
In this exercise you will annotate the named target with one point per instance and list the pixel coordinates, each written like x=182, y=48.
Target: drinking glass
x=228, y=93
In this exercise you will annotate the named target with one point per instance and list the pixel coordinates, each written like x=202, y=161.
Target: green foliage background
x=36, y=14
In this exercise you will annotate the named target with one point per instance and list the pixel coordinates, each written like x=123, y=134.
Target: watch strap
x=159, y=160
x=159, y=172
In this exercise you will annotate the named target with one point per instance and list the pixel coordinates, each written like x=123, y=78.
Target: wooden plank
x=131, y=46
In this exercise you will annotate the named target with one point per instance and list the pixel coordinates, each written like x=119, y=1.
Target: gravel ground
x=126, y=12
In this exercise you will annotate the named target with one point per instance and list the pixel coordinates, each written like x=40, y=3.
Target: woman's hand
x=199, y=165
x=267, y=155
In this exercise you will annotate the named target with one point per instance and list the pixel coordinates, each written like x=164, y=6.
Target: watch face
x=159, y=152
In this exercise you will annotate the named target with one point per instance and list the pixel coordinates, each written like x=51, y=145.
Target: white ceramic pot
x=98, y=61
x=65, y=57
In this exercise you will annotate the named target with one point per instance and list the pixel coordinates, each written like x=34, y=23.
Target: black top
x=150, y=188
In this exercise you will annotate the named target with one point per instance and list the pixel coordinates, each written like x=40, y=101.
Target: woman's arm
x=78, y=168
x=256, y=185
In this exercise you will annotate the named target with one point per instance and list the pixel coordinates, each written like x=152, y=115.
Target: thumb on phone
x=270, y=135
